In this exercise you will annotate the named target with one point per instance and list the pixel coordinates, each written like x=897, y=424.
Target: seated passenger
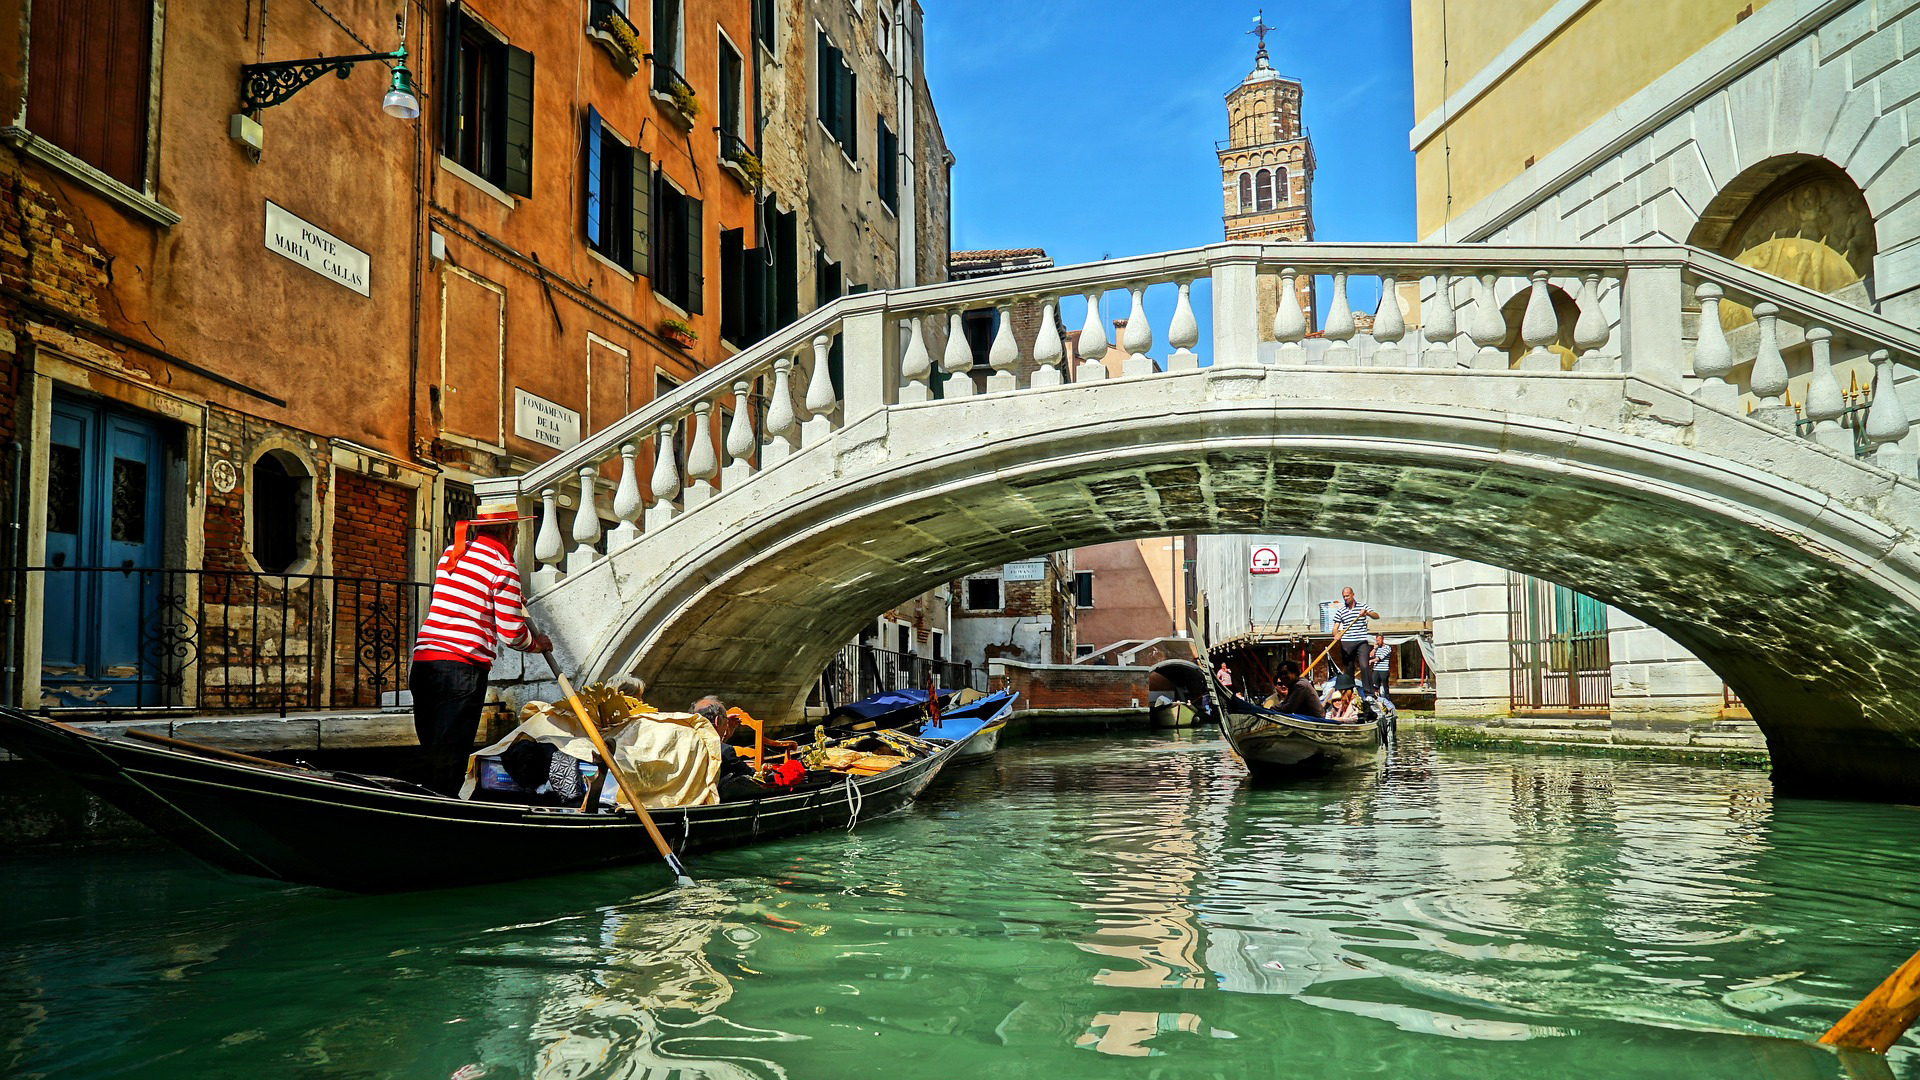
x=1298, y=697
x=736, y=774
x=1344, y=706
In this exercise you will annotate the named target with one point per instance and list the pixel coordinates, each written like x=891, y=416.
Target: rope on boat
x=854, y=801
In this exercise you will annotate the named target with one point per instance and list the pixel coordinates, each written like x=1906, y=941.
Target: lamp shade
x=400, y=102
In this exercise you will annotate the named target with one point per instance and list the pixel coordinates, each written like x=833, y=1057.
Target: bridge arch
x=1769, y=583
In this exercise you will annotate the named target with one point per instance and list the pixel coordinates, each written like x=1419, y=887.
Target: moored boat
x=372, y=834
x=974, y=727
x=1173, y=714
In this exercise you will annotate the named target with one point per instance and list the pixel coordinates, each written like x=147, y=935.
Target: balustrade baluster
x=1769, y=378
x=1340, y=328
x=783, y=428
x=586, y=523
x=1590, y=329
x=1389, y=325
x=627, y=503
x=1137, y=337
x=1092, y=343
x=1440, y=328
x=702, y=463
x=740, y=438
x=820, y=396
x=957, y=361
x=1183, y=333
x=1289, y=321
x=547, y=545
x=916, y=364
x=1003, y=354
x=1487, y=328
x=1539, y=327
x=1887, y=423
x=1712, y=356
x=666, y=478
x=1048, y=349
x=1826, y=403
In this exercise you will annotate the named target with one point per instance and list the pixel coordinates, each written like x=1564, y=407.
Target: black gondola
x=372, y=835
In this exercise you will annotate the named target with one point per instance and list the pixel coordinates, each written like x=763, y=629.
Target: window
x=937, y=645
x=1246, y=192
x=733, y=74
x=839, y=98
x=887, y=16
x=280, y=501
x=676, y=245
x=904, y=634
x=1083, y=588
x=1263, y=190
x=486, y=115
x=983, y=594
x=89, y=64
x=887, y=166
x=1280, y=186
x=735, y=313
x=669, y=41
x=1083, y=650
x=764, y=23
x=619, y=182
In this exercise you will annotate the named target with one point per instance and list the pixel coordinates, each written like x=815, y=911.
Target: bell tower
x=1266, y=167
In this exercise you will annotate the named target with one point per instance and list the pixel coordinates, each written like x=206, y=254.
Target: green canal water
x=1113, y=907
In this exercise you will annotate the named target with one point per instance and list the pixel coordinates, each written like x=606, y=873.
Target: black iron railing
x=114, y=638
x=862, y=670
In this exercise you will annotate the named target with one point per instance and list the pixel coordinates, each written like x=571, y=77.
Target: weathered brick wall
x=1073, y=686
x=373, y=620
x=370, y=522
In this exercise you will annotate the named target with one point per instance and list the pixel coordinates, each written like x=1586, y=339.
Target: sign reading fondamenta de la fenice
x=318, y=250
x=539, y=420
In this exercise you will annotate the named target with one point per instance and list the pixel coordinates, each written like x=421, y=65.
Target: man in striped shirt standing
x=476, y=602
x=1350, y=622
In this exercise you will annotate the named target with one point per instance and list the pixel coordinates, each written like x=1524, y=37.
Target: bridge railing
x=1667, y=314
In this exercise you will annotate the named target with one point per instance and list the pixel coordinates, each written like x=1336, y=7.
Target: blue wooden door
x=106, y=506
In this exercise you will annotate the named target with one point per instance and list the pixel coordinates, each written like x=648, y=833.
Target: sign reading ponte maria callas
x=318, y=250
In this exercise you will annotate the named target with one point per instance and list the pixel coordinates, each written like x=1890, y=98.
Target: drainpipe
x=16, y=544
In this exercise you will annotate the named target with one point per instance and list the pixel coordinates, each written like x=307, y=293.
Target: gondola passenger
x=1299, y=698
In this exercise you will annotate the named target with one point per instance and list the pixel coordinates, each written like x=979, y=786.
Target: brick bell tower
x=1266, y=170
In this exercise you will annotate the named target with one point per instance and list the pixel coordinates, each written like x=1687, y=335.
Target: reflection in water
x=1076, y=908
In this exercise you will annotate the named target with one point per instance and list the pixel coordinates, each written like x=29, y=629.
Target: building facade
x=265, y=336
x=1778, y=135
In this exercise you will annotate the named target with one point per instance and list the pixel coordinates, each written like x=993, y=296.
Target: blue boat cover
x=964, y=720
x=881, y=704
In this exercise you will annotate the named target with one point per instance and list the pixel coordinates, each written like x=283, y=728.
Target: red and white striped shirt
x=475, y=601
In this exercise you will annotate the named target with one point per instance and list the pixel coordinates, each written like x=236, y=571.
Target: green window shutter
x=642, y=211
x=452, y=92
x=825, y=80
x=733, y=286
x=519, y=126
x=593, y=177
x=849, y=102
x=693, y=255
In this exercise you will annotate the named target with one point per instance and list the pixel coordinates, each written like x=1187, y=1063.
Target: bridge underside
x=1806, y=612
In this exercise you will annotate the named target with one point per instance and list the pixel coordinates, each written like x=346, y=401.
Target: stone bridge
x=1580, y=414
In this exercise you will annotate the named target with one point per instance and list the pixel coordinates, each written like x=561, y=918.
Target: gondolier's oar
x=1308, y=670
x=593, y=733
x=1878, y=1021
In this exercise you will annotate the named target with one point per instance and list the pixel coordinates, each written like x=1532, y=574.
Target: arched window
x=1263, y=190
x=1282, y=193
x=280, y=501
x=1246, y=192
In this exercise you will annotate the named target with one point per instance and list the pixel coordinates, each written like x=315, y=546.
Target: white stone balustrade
x=1483, y=310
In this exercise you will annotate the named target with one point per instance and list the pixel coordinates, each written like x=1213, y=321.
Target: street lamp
x=263, y=85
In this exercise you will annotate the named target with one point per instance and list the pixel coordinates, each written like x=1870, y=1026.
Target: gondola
x=1276, y=745
x=375, y=835
x=1172, y=714
x=974, y=728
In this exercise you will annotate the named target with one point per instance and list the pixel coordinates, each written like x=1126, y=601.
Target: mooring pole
x=1878, y=1021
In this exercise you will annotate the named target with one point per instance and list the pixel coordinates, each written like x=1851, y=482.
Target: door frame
x=181, y=541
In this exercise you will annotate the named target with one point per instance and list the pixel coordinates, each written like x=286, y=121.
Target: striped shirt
x=1352, y=621
x=475, y=601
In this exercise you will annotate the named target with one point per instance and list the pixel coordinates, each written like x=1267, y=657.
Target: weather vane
x=1261, y=29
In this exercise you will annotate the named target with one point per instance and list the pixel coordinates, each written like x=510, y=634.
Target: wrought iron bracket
x=262, y=85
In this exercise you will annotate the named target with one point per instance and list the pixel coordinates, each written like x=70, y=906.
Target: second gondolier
x=1350, y=623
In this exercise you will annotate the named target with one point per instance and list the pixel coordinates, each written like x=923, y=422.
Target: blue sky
x=1088, y=128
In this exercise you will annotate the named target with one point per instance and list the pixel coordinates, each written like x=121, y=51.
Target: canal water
x=1124, y=906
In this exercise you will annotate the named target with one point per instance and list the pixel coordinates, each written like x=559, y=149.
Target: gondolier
x=1350, y=622
x=476, y=603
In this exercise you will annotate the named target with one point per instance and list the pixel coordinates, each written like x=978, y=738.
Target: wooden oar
x=1878, y=1021
x=1308, y=670
x=599, y=744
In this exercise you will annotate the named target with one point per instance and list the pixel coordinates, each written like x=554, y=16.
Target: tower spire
x=1261, y=30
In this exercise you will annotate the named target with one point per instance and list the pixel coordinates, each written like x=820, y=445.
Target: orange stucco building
x=257, y=349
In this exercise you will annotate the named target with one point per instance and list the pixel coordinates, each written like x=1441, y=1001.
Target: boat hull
x=315, y=828
x=978, y=746
x=1173, y=714
x=1280, y=745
